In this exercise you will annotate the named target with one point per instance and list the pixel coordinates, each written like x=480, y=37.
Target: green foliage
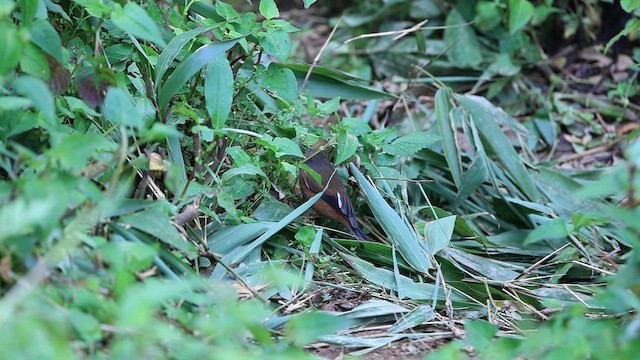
x=149, y=155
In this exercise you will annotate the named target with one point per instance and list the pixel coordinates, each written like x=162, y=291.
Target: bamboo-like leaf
x=190, y=67
x=273, y=229
x=494, y=138
x=169, y=54
x=324, y=83
x=446, y=127
x=409, y=245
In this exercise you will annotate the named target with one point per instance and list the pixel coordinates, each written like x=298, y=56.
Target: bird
x=335, y=203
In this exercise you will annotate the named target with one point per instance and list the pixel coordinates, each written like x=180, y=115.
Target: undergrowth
x=149, y=156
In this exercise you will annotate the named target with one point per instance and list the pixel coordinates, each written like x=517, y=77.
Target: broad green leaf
x=38, y=92
x=410, y=144
x=87, y=327
x=8, y=103
x=134, y=20
x=244, y=169
x=550, y=230
x=46, y=38
x=95, y=8
x=281, y=82
x=232, y=237
x=33, y=61
x=282, y=147
x=301, y=333
x=218, y=90
x=10, y=46
x=271, y=209
x=277, y=43
x=480, y=333
x=487, y=15
x=173, y=48
x=118, y=108
x=189, y=67
x=412, y=249
x=28, y=9
x=520, y=12
x=269, y=9
x=156, y=222
x=494, y=138
x=74, y=151
x=356, y=126
x=438, y=232
x=347, y=146
x=464, y=49
x=324, y=83
x=630, y=5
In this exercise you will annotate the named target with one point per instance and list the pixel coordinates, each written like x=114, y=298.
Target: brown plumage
x=335, y=202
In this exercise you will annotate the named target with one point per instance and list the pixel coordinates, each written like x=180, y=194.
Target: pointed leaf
x=218, y=90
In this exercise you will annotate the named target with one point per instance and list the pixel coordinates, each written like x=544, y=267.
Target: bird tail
x=359, y=234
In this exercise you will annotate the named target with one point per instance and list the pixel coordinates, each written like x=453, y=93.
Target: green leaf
x=487, y=15
x=134, y=20
x=386, y=279
x=218, y=90
x=38, y=92
x=86, y=325
x=8, y=103
x=412, y=249
x=550, y=230
x=347, y=146
x=520, y=12
x=356, y=126
x=95, y=8
x=308, y=3
x=630, y=5
x=446, y=127
x=281, y=82
x=34, y=62
x=190, y=67
x=481, y=113
x=410, y=144
x=10, y=46
x=46, y=38
x=277, y=43
x=438, y=232
x=418, y=316
x=459, y=37
x=74, y=150
x=232, y=237
x=475, y=176
x=480, y=333
x=119, y=108
x=301, y=333
x=171, y=51
x=244, y=169
x=155, y=221
x=286, y=147
x=328, y=84
x=269, y=9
